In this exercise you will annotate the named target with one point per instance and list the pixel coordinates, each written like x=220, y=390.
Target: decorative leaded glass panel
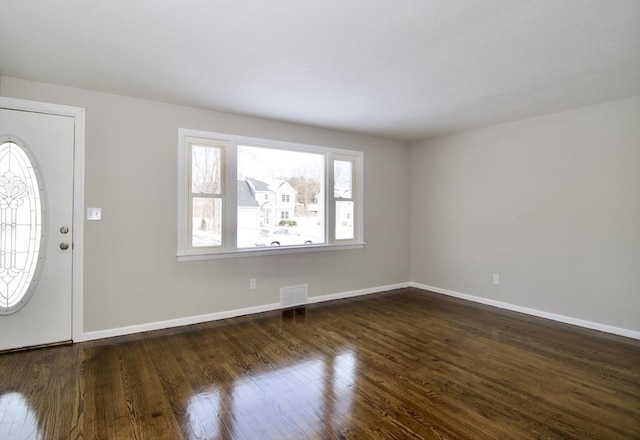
x=21, y=233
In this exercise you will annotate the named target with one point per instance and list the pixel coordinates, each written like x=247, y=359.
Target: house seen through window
x=290, y=181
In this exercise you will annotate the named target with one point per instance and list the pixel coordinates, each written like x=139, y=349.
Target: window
x=206, y=196
x=237, y=194
x=343, y=194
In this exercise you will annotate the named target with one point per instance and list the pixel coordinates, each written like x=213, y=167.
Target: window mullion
x=231, y=195
x=329, y=219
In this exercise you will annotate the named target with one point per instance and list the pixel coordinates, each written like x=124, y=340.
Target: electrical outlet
x=252, y=283
x=496, y=278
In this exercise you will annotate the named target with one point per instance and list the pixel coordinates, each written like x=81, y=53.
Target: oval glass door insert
x=21, y=231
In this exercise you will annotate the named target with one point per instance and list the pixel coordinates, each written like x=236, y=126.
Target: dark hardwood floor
x=398, y=365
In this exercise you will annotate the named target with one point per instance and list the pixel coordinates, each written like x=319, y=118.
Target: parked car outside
x=282, y=237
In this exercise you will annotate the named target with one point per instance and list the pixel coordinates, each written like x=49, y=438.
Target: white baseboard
x=139, y=328
x=534, y=312
x=352, y=293
x=159, y=325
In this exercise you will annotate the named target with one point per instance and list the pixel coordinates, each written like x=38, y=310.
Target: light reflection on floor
x=203, y=411
x=17, y=419
x=310, y=398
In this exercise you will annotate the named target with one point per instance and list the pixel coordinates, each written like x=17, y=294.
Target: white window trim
x=206, y=142
x=188, y=253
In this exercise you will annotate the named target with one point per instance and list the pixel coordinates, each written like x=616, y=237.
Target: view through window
x=280, y=197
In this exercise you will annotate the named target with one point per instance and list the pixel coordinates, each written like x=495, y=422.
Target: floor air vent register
x=293, y=296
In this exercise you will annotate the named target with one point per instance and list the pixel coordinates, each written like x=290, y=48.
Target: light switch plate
x=94, y=213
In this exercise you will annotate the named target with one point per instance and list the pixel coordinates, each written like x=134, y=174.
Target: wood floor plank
x=405, y=364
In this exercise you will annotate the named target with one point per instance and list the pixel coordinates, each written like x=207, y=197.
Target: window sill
x=280, y=250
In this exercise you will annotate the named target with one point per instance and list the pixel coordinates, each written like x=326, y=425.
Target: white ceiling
x=398, y=69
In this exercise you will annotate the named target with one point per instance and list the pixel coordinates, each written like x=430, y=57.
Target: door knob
x=64, y=246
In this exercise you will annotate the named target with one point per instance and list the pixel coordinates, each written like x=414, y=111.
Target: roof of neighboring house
x=275, y=184
x=245, y=195
x=259, y=185
x=342, y=192
x=269, y=185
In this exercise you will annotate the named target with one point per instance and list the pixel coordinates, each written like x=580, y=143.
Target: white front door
x=44, y=314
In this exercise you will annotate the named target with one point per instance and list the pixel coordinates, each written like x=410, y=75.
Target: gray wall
x=552, y=204
x=131, y=272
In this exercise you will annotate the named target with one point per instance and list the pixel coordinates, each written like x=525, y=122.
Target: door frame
x=78, y=114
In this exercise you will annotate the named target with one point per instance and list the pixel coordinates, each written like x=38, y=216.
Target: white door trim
x=77, y=114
